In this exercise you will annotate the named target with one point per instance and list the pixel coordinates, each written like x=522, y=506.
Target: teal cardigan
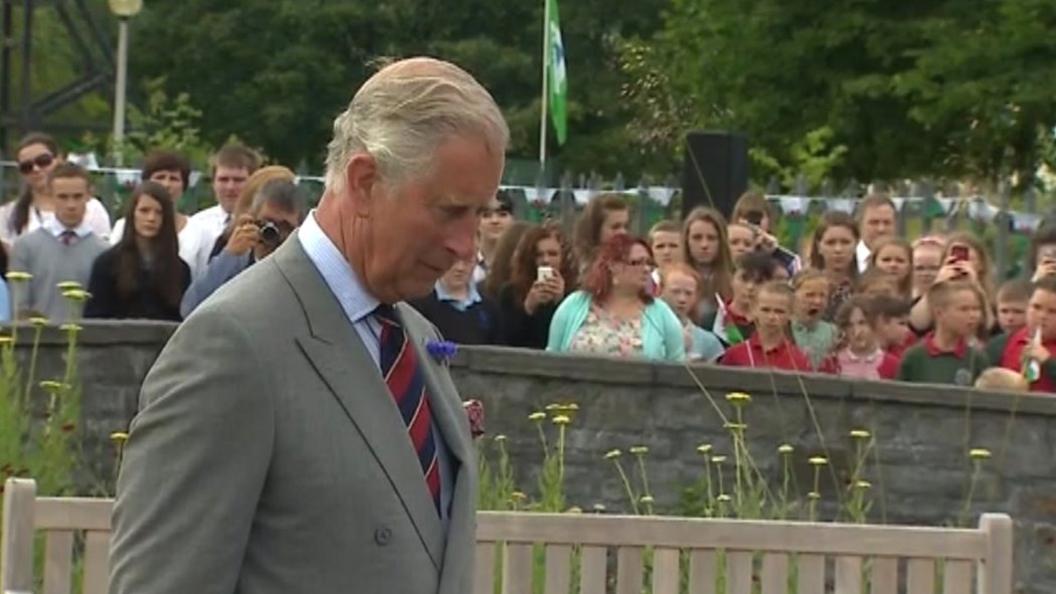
x=661, y=331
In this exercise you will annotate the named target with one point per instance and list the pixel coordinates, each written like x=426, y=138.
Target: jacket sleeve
x=512, y=318
x=195, y=464
x=224, y=267
x=103, y=303
x=559, y=325
x=674, y=340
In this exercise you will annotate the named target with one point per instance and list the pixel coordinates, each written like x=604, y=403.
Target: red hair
x=615, y=251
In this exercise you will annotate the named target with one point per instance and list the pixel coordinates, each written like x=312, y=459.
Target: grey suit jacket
x=269, y=457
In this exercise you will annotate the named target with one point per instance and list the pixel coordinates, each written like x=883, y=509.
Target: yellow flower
x=38, y=321
x=718, y=459
x=860, y=434
x=552, y=407
x=69, y=286
x=785, y=449
x=76, y=294
x=704, y=448
x=819, y=460
x=6, y=340
x=979, y=453
x=500, y=438
x=639, y=450
x=814, y=495
x=575, y=509
x=16, y=277
x=724, y=498
x=518, y=496
x=599, y=508
x=561, y=420
x=738, y=398
x=646, y=499
x=52, y=385
x=863, y=485
x=613, y=454
x=537, y=416
x=70, y=328
x=119, y=437
x=570, y=407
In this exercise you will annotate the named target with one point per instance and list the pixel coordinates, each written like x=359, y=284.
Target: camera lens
x=269, y=233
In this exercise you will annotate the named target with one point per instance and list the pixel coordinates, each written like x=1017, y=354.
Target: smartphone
x=754, y=217
x=544, y=273
x=959, y=253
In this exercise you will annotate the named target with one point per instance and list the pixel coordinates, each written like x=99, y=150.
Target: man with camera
x=277, y=210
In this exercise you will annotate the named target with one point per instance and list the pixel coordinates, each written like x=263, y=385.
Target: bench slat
x=958, y=577
x=920, y=577
x=775, y=573
x=484, y=568
x=58, y=562
x=849, y=575
x=743, y=535
x=738, y=572
x=592, y=570
x=666, y=572
x=558, y=569
x=78, y=513
x=629, y=570
x=96, y=562
x=884, y=576
x=517, y=575
x=702, y=572
x=811, y=579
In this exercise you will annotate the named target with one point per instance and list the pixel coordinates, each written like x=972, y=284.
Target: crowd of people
x=856, y=301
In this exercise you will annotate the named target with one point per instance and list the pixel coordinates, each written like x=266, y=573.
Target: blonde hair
x=404, y=111
x=999, y=379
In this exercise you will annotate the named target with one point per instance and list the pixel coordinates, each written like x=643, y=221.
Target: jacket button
x=382, y=536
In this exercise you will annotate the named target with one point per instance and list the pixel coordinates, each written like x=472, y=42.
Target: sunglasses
x=41, y=161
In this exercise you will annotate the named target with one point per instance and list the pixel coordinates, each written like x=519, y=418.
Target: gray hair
x=403, y=112
x=282, y=194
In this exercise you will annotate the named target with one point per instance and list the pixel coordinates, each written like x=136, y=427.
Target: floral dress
x=604, y=334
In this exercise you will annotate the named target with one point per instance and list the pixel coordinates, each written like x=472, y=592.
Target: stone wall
x=921, y=478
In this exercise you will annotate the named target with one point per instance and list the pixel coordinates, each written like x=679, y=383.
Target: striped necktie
x=403, y=375
x=67, y=237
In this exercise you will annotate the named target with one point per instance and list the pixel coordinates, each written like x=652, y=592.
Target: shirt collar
x=342, y=279
x=756, y=344
x=863, y=252
x=874, y=357
x=461, y=304
x=56, y=228
x=959, y=351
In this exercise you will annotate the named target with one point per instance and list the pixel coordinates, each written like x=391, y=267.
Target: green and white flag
x=556, y=81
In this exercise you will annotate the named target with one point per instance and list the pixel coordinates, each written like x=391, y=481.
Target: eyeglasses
x=41, y=161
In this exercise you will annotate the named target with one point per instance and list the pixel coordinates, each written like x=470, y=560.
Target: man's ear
x=361, y=175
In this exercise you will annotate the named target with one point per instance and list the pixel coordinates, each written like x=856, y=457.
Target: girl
x=894, y=256
x=680, y=288
x=927, y=259
x=605, y=216
x=860, y=355
x=542, y=275
x=614, y=313
x=706, y=250
x=814, y=336
x=964, y=257
x=141, y=277
x=37, y=155
x=832, y=252
x=742, y=240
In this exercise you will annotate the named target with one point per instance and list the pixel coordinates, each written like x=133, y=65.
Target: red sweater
x=750, y=353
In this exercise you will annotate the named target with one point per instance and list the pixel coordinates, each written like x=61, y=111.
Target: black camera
x=269, y=233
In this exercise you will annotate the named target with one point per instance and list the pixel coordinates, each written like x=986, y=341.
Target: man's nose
x=461, y=240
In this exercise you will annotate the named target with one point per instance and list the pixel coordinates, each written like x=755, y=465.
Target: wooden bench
x=555, y=548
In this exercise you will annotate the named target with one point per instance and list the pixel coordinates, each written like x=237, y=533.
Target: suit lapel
x=337, y=354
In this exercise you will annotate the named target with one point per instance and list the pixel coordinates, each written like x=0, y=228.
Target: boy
x=458, y=310
x=770, y=346
x=62, y=250
x=665, y=239
x=1022, y=345
x=732, y=321
x=944, y=356
x=1012, y=300
x=890, y=317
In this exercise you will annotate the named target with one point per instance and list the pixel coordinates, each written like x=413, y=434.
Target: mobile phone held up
x=959, y=253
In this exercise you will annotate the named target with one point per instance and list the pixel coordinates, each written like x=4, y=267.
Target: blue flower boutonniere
x=442, y=351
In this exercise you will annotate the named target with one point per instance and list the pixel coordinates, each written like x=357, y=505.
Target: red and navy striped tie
x=403, y=375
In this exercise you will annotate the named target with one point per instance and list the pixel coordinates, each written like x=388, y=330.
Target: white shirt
x=95, y=217
x=56, y=228
x=199, y=236
x=863, y=253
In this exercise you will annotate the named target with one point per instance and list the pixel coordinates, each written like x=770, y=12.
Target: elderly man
x=295, y=434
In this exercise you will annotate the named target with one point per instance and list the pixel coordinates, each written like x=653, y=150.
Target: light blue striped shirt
x=359, y=305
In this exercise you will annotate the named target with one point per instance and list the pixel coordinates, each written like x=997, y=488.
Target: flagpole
x=546, y=98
